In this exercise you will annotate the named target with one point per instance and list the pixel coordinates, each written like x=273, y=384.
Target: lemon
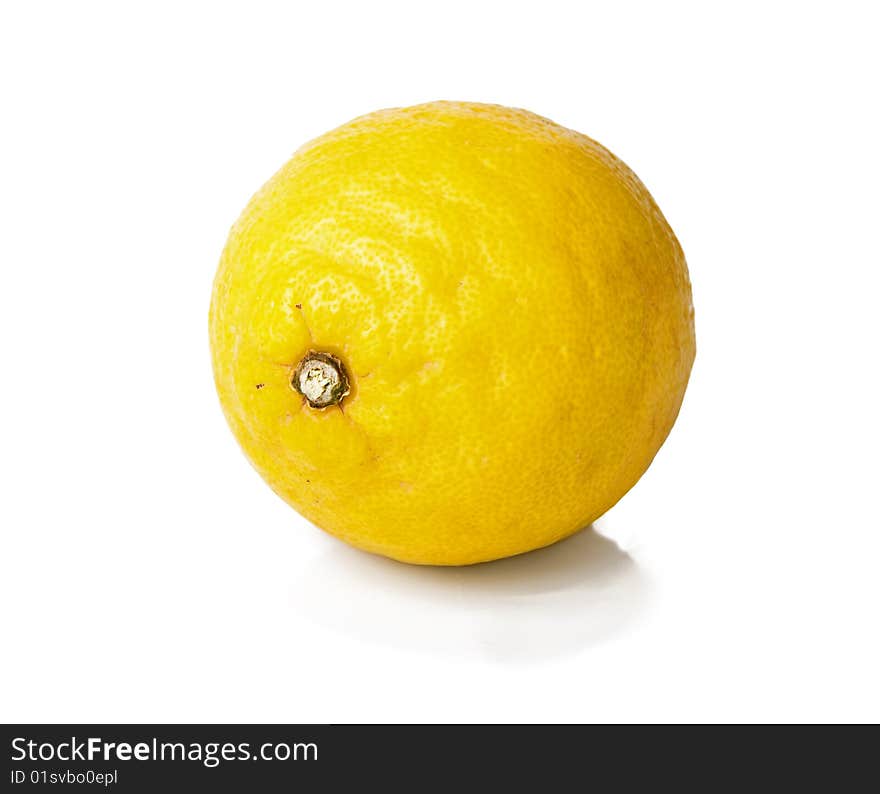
x=452, y=332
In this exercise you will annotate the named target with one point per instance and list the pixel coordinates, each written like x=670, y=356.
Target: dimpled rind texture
x=513, y=311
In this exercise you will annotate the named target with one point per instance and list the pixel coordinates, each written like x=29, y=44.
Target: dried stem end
x=321, y=379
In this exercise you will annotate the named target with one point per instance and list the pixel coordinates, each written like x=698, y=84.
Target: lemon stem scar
x=321, y=379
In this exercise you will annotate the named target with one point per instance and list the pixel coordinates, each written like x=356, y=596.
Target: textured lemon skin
x=513, y=311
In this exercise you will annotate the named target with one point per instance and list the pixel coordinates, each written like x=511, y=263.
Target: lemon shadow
x=551, y=602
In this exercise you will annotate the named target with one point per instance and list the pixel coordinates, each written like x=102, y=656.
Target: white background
x=149, y=575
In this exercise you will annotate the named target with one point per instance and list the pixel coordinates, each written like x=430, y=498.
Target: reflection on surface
x=549, y=602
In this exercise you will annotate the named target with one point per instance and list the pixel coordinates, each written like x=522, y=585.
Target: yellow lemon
x=452, y=332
